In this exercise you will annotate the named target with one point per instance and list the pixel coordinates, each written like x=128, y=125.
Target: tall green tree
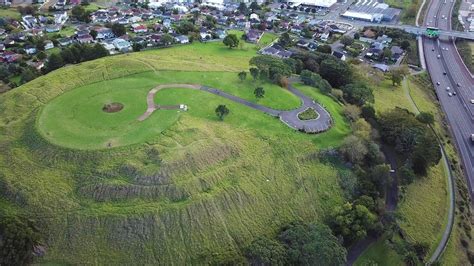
x=54, y=62
x=231, y=41
x=265, y=251
x=222, y=111
x=352, y=222
x=312, y=244
x=118, y=29
x=242, y=75
x=259, y=92
x=254, y=72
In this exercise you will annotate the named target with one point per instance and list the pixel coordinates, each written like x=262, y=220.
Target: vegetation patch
x=308, y=114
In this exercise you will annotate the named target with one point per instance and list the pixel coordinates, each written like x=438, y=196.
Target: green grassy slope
x=425, y=204
x=196, y=192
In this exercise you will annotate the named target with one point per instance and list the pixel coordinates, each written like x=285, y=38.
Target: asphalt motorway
x=441, y=57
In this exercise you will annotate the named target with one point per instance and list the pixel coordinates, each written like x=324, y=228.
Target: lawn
x=76, y=119
x=424, y=205
x=340, y=127
x=193, y=191
x=9, y=13
x=379, y=253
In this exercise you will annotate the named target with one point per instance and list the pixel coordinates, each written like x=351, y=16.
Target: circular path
x=322, y=123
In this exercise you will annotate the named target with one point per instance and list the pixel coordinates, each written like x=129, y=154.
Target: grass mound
x=190, y=190
x=308, y=114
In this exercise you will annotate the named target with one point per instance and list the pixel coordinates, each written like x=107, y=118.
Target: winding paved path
x=322, y=123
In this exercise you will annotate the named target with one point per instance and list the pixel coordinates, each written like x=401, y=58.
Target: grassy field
x=424, y=206
x=195, y=193
x=9, y=13
x=379, y=253
x=76, y=119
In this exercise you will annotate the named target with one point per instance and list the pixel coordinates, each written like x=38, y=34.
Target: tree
x=347, y=40
x=387, y=53
x=425, y=118
x=19, y=237
x=331, y=69
x=222, y=111
x=41, y=55
x=352, y=112
x=80, y=13
x=254, y=6
x=167, y=39
x=242, y=75
x=254, y=72
x=358, y=94
x=353, y=149
x=325, y=48
x=54, y=62
x=397, y=74
x=93, y=33
x=118, y=29
x=285, y=40
x=356, y=36
x=405, y=44
x=27, y=75
x=265, y=251
x=67, y=56
x=396, y=77
x=136, y=47
x=231, y=40
x=312, y=244
x=243, y=9
x=352, y=222
x=259, y=92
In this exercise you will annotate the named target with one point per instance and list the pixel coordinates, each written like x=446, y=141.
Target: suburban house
x=85, y=38
x=60, y=17
x=48, y=45
x=254, y=36
x=397, y=52
x=381, y=67
x=182, y=39
x=339, y=55
x=122, y=45
x=65, y=41
x=104, y=33
x=139, y=28
x=276, y=51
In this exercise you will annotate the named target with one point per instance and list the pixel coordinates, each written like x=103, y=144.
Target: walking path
x=322, y=123
x=450, y=180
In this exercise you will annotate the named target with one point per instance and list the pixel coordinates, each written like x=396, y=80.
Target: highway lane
x=459, y=111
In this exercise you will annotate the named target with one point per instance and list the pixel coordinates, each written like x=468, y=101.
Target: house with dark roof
x=254, y=36
x=276, y=51
x=339, y=55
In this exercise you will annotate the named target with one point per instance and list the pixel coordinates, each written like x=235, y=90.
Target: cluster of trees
x=298, y=244
x=270, y=68
x=337, y=72
x=315, y=80
x=75, y=54
x=80, y=13
x=412, y=139
x=26, y=73
x=19, y=236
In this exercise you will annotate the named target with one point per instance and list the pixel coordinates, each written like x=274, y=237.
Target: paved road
x=322, y=123
x=459, y=111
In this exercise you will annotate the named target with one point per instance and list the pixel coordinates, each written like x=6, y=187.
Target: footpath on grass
x=322, y=123
x=449, y=226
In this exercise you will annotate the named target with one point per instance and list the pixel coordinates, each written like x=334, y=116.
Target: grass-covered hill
x=180, y=188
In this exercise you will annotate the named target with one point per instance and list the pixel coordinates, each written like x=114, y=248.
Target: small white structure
x=60, y=17
x=183, y=107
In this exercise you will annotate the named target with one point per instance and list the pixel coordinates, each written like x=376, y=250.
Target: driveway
x=322, y=123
